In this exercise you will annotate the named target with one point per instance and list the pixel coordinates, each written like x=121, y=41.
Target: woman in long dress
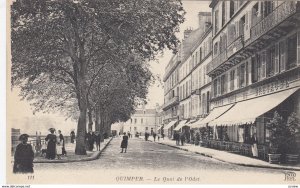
x=124, y=143
x=23, y=158
x=51, y=146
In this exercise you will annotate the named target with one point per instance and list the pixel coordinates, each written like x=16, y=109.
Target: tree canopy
x=62, y=50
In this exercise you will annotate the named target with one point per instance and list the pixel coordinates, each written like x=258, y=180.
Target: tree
x=57, y=41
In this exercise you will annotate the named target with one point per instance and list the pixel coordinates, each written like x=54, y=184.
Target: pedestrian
x=182, y=138
x=128, y=134
x=23, y=158
x=163, y=136
x=51, y=144
x=62, y=142
x=158, y=136
x=253, y=142
x=90, y=140
x=59, y=148
x=124, y=143
x=176, y=138
x=154, y=136
x=97, y=140
x=72, y=135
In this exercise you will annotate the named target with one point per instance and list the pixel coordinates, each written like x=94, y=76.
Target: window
x=268, y=7
x=219, y=86
x=146, y=128
x=232, y=78
x=216, y=46
x=231, y=8
x=196, y=62
x=216, y=21
x=282, y=52
x=254, y=71
x=292, y=52
x=242, y=26
x=255, y=14
x=276, y=62
x=130, y=120
x=203, y=103
x=223, y=84
x=215, y=87
x=270, y=61
x=207, y=102
x=223, y=13
x=135, y=121
x=135, y=128
x=263, y=65
x=141, y=120
x=200, y=53
x=242, y=77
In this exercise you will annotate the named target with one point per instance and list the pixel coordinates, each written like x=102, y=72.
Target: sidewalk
x=71, y=157
x=225, y=156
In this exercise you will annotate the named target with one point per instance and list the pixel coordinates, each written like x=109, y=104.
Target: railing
x=235, y=46
x=282, y=12
x=217, y=61
x=172, y=101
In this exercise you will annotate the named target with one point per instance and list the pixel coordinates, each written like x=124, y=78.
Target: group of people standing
x=55, y=145
x=92, y=138
x=179, y=138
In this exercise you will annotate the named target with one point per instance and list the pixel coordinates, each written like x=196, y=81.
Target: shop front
x=234, y=129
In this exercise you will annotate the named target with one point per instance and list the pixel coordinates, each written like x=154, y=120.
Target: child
x=59, y=148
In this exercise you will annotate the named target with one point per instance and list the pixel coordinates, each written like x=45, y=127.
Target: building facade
x=186, y=98
x=255, y=68
x=143, y=120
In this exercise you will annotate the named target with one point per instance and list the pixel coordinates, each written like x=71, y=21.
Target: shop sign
x=272, y=87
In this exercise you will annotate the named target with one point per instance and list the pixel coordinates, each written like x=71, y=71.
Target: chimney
x=187, y=32
x=204, y=20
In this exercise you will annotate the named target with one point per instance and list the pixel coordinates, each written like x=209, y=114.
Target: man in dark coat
x=124, y=143
x=90, y=140
x=182, y=138
x=51, y=146
x=72, y=135
x=62, y=140
x=23, y=156
x=154, y=136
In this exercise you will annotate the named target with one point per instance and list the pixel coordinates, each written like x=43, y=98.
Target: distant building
x=143, y=120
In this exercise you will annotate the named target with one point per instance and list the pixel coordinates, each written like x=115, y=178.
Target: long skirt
x=254, y=150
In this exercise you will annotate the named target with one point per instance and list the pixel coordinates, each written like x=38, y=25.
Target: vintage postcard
x=153, y=92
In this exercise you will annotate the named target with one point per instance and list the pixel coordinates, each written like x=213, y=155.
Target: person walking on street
x=97, y=140
x=176, y=137
x=62, y=141
x=23, y=158
x=158, y=136
x=51, y=146
x=182, y=138
x=163, y=136
x=90, y=140
x=124, y=143
x=154, y=136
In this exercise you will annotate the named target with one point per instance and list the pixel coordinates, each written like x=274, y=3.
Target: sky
x=192, y=8
x=19, y=113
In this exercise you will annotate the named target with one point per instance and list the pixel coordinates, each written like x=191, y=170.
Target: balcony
x=172, y=102
x=282, y=12
x=235, y=46
x=217, y=61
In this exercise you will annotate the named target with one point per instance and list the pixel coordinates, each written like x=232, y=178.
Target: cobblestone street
x=148, y=160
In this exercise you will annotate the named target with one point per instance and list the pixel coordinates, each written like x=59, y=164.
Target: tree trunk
x=81, y=131
x=97, y=122
x=90, y=125
x=101, y=114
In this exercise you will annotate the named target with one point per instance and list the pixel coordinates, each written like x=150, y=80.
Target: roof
x=147, y=111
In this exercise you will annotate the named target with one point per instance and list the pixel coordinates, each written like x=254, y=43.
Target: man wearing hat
x=51, y=146
x=23, y=156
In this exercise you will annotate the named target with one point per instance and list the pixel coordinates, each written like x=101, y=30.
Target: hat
x=23, y=137
x=51, y=129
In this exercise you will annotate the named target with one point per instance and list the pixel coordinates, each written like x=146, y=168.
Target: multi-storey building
x=255, y=68
x=183, y=96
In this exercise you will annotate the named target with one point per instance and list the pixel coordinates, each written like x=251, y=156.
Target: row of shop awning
x=239, y=113
x=247, y=111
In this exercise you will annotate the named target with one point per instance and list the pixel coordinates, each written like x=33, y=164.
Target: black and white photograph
x=152, y=92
